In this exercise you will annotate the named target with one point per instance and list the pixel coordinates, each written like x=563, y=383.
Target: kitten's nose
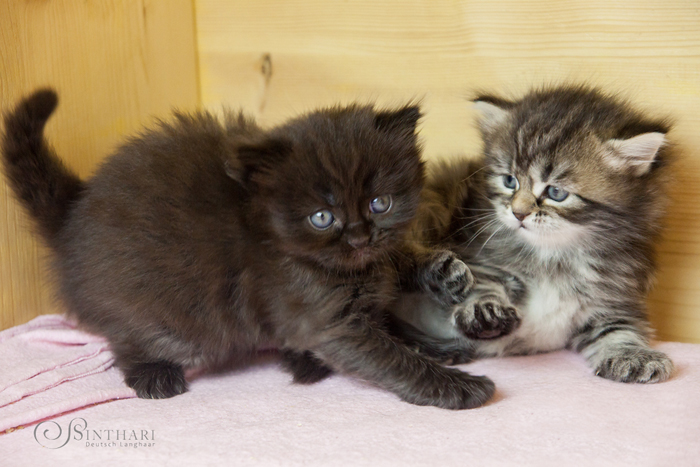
x=358, y=242
x=523, y=204
x=520, y=215
x=357, y=235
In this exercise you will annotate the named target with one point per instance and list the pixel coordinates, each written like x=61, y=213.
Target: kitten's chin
x=350, y=260
x=557, y=239
x=361, y=258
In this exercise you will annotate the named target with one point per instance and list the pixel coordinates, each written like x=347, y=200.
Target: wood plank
x=115, y=63
x=442, y=52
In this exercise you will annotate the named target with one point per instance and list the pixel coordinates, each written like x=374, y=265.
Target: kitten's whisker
x=474, y=173
x=641, y=162
x=487, y=240
x=471, y=217
x=465, y=227
x=481, y=230
x=481, y=218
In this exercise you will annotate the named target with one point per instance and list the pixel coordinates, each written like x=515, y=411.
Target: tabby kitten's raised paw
x=156, y=380
x=636, y=365
x=487, y=318
x=448, y=278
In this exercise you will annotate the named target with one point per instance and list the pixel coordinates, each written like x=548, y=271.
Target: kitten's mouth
x=521, y=226
x=360, y=257
x=361, y=253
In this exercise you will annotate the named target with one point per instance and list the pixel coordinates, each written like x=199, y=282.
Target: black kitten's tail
x=37, y=176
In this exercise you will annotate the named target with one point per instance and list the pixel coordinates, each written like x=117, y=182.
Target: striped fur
x=586, y=262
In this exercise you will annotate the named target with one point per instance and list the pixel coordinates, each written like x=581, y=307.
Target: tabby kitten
x=558, y=221
x=198, y=242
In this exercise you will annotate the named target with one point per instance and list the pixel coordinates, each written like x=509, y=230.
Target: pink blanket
x=48, y=367
x=549, y=410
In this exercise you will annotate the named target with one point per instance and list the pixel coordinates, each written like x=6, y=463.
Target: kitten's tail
x=37, y=176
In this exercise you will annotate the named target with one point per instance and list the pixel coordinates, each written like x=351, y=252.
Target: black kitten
x=200, y=241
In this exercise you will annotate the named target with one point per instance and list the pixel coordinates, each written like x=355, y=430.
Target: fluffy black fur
x=193, y=245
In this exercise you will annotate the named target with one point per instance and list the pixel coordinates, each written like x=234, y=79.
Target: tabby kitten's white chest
x=555, y=305
x=550, y=312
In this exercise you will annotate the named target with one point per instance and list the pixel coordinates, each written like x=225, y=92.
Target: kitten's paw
x=455, y=390
x=304, y=367
x=636, y=365
x=487, y=318
x=156, y=380
x=448, y=278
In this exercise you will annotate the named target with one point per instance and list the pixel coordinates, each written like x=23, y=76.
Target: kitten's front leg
x=618, y=349
x=359, y=347
x=304, y=366
x=157, y=379
x=438, y=272
x=447, y=277
x=448, y=351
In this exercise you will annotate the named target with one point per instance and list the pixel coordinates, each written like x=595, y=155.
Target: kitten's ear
x=403, y=120
x=636, y=154
x=257, y=158
x=492, y=114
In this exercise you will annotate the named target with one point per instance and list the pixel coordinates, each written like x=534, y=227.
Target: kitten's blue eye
x=380, y=204
x=322, y=219
x=557, y=194
x=510, y=182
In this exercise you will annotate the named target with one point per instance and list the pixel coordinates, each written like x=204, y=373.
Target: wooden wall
x=115, y=63
x=118, y=62
x=277, y=58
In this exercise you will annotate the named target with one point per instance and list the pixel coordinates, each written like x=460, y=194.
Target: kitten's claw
x=487, y=318
x=448, y=278
x=636, y=365
x=156, y=380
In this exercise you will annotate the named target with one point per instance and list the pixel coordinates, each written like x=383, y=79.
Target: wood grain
x=115, y=64
x=441, y=52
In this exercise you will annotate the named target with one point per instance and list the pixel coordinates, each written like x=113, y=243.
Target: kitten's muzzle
x=523, y=205
x=358, y=242
x=357, y=235
x=520, y=215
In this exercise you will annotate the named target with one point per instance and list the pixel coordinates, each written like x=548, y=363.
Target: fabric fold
x=50, y=367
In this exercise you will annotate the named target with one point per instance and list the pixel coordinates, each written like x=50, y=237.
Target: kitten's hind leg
x=486, y=317
x=488, y=312
x=155, y=379
x=304, y=366
x=618, y=350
